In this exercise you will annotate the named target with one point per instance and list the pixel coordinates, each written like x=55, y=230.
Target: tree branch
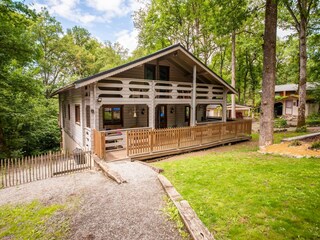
x=297, y=24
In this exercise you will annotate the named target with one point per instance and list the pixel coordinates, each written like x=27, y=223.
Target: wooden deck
x=142, y=144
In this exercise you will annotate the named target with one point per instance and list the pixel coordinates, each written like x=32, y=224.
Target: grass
x=173, y=214
x=32, y=221
x=242, y=194
x=277, y=137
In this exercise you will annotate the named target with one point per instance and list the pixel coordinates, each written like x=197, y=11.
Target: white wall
x=73, y=130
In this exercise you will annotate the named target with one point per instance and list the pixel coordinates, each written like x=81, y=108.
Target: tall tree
x=269, y=74
x=51, y=62
x=302, y=12
x=231, y=16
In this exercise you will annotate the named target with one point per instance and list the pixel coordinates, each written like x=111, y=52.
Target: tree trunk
x=233, y=74
x=302, y=70
x=269, y=74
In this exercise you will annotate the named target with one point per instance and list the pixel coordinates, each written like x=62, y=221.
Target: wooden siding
x=73, y=130
x=138, y=72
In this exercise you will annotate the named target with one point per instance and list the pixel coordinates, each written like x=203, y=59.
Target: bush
x=295, y=143
x=301, y=129
x=280, y=123
x=315, y=145
x=313, y=120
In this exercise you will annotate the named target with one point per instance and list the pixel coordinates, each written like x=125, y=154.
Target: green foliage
x=30, y=221
x=241, y=194
x=295, y=143
x=313, y=120
x=36, y=58
x=172, y=212
x=280, y=123
x=302, y=129
x=315, y=146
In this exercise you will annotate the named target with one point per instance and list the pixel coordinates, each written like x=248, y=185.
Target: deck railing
x=115, y=89
x=141, y=141
x=111, y=140
x=148, y=141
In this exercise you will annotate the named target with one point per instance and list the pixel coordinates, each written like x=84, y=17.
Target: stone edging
x=300, y=137
x=196, y=228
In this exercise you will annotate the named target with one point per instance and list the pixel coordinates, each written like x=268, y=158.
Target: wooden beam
x=194, y=95
x=181, y=68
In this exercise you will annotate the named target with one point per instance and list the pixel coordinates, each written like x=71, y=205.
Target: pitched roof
x=293, y=87
x=137, y=62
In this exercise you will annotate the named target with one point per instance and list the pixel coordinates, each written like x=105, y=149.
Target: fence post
x=151, y=140
x=127, y=142
x=103, y=145
x=236, y=130
x=2, y=173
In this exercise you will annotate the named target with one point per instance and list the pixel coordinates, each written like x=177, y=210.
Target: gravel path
x=107, y=210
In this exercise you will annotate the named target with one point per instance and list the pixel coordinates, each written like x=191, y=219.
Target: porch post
x=151, y=107
x=92, y=113
x=224, y=105
x=194, y=96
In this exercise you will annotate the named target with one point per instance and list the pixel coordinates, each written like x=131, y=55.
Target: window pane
x=150, y=72
x=116, y=113
x=164, y=73
x=107, y=116
x=187, y=113
x=77, y=113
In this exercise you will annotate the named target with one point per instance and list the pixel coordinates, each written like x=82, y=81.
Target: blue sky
x=105, y=19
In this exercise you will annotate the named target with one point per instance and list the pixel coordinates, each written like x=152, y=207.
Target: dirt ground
x=213, y=150
x=105, y=210
x=293, y=151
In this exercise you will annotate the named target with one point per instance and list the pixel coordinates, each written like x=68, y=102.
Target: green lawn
x=32, y=221
x=241, y=194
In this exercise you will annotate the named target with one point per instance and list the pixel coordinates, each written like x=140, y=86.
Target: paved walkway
x=106, y=210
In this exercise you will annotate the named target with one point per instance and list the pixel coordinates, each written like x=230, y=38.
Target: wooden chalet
x=150, y=107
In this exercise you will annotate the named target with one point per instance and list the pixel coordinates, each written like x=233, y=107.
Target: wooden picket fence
x=142, y=142
x=16, y=171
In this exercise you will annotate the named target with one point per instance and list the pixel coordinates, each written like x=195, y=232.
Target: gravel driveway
x=107, y=210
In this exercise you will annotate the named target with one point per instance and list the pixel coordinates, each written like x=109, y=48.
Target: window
x=112, y=115
x=164, y=73
x=64, y=111
x=150, y=71
x=88, y=116
x=69, y=111
x=187, y=114
x=77, y=113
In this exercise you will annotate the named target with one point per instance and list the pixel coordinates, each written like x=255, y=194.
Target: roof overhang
x=201, y=67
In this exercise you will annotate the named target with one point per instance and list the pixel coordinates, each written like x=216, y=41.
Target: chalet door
x=161, y=117
x=289, y=105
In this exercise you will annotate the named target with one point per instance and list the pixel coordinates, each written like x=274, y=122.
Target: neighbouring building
x=287, y=100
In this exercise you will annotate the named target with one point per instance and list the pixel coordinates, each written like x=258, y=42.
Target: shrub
x=280, y=123
x=295, y=143
x=301, y=129
x=315, y=145
x=313, y=120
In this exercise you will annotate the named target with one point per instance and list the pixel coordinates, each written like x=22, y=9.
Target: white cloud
x=128, y=39
x=67, y=9
x=110, y=8
x=104, y=10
